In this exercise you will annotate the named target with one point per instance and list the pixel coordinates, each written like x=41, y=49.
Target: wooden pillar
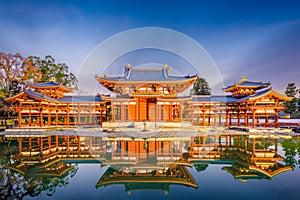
x=170, y=112
x=226, y=140
x=253, y=146
x=68, y=115
x=19, y=118
x=29, y=117
x=203, y=117
x=276, y=119
x=171, y=149
x=230, y=115
x=246, y=119
x=253, y=118
x=20, y=145
x=56, y=116
x=180, y=112
x=238, y=118
x=41, y=117
x=49, y=117
x=137, y=109
x=226, y=118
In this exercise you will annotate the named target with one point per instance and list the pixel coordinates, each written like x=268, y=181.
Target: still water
x=193, y=167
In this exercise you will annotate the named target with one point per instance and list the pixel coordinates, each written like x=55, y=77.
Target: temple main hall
x=149, y=95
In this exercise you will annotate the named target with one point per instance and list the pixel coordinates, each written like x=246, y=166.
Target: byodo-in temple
x=150, y=163
x=152, y=95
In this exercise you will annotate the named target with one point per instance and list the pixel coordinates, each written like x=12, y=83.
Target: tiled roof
x=255, y=84
x=138, y=74
x=249, y=84
x=81, y=99
x=75, y=99
x=49, y=84
x=39, y=95
x=214, y=98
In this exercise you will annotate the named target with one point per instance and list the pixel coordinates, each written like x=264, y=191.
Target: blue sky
x=258, y=39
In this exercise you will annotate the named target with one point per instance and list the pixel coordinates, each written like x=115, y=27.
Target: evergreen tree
x=50, y=69
x=291, y=91
x=201, y=87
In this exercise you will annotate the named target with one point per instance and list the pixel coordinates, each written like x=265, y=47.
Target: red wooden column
x=49, y=117
x=230, y=115
x=203, y=117
x=68, y=115
x=19, y=118
x=238, y=118
x=29, y=117
x=137, y=110
x=226, y=118
x=41, y=117
x=56, y=116
x=276, y=118
x=170, y=112
x=253, y=118
x=246, y=119
x=20, y=145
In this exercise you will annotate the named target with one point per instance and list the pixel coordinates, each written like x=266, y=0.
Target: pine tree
x=201, y=87
x=291, y=91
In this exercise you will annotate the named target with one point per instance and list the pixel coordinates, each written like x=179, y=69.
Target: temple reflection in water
x=148, y=163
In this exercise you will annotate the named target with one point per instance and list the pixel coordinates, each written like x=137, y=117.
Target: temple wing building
x=249, y=104
x=45, y=104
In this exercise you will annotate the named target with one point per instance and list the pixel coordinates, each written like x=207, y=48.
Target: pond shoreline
x=138, y=133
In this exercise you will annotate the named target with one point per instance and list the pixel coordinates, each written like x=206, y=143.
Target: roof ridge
x=146, y=69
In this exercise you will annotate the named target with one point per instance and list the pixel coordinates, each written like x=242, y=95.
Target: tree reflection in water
x=15, y=185
x=291, y=148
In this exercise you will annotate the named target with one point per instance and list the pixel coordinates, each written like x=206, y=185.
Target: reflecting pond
x=194, y=167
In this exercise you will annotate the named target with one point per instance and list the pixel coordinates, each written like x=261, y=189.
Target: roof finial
x=244, y=79
x=52, y=79
x=128, y=65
